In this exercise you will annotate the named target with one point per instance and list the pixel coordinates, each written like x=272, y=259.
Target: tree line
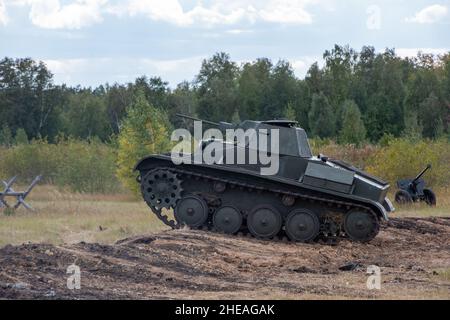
x=356, y=96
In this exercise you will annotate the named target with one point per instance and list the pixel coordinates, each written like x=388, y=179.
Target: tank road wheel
x=227, y=219
x=403, y=197
x=361, y=226
x=430, y=197
x=302, y=225
x=161, y=189
x=264, y=222
x=191, y=211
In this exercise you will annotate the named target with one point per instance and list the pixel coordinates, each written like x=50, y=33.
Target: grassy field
x=64, y=217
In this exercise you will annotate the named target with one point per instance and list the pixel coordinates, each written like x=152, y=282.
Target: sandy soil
x=413, y=254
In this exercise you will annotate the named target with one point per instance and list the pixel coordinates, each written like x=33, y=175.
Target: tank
x=303, y=198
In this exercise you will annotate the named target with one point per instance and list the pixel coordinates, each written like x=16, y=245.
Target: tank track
x=325, y=202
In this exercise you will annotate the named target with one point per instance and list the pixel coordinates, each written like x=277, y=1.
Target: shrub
x=394, y=158
x=357, y=156
x=404, y=158
x=84, y=166
x=30, y=160
x=87, y=167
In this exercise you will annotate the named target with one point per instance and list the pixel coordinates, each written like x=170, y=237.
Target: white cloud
x=172, y=11
x=76, y=14
x=50, y=14
x=430, y=14
x=167, y=10
x=3, y=16
x=219, y=12
x=286, y=11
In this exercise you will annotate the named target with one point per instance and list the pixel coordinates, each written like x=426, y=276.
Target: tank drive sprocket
x=161, y=189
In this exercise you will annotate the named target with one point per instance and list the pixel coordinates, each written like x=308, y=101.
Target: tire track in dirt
x=413, y=254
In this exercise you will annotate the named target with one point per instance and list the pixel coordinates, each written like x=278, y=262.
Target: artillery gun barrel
x=422, y=173
x=197, y=119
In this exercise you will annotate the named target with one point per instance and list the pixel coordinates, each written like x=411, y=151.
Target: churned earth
x=413, y=255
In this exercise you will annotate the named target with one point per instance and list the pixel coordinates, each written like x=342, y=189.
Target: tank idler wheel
x=227, y=219
x=264, y=222
x=302, y=225
x=191, y=211
x=361, y=226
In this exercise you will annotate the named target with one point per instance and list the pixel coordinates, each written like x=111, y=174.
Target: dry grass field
x=64, y=217
x=412, y=250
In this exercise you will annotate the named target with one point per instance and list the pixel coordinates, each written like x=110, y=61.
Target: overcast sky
x=90, y=42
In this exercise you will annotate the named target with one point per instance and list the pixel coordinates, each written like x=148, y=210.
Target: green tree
x=385, y=97
x=21, y=137
x=321, y=117
x=217, y=88
x=145, y=130
x=6, y=136
x=26, y=96
x=353, y=130
x=289, y=112
x=182, y=100
x=314, y=79
x=155, y=89
x=422, y=83
x=413, y=129
x=283, y=86
x=339, y=63
x=431, y=109
x=302, y=103
x=236, y=118
x=85, y=116
x=363, y=82
x=254, y=88
x=118, y=97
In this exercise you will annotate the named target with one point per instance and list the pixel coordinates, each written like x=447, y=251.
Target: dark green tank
x=306, y=198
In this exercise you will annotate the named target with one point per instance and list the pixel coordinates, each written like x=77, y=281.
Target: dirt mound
x=413, y=254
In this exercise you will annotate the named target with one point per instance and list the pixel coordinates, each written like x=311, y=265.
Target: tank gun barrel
x=197, y=119
x=422, y=173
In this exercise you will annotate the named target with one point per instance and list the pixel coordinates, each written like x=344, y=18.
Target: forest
x=356, y=96
x=387, y=114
